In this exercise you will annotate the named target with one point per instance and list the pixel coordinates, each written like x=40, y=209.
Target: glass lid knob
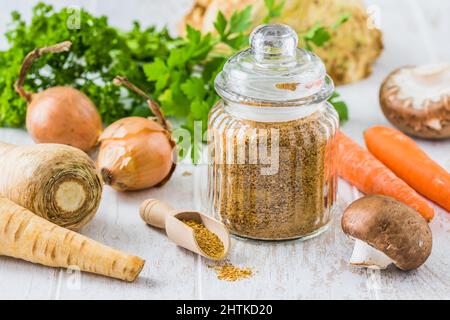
x=274, y=41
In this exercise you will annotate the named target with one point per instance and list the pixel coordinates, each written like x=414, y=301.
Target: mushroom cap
x=391, y=227
x=416, y=99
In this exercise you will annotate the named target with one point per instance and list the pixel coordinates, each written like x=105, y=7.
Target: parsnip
x=56, y=182
x=26, y=236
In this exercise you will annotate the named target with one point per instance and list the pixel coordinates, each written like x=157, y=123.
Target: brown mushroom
x=386, y=231
x=416, y=99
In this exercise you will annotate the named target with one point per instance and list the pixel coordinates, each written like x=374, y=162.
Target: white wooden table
x=414, y=32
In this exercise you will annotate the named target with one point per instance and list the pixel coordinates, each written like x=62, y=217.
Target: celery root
x=26, y=236
x=57, y=182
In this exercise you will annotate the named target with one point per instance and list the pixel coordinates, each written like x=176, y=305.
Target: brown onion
x=136, y=153
x=61, y=115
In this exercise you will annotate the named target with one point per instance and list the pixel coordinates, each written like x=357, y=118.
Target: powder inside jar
x=293, y=200
x=207, y=240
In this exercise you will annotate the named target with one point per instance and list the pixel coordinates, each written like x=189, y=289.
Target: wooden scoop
x=159, y=214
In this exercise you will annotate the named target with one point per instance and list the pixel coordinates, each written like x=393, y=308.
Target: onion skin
x=59, y=115
x=135, y=153
x=64, y=115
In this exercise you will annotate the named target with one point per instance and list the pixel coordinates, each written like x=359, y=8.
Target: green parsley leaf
x=237, y=42
x=159, y=72
x=274, y=10
x=220, y=24
x=194, y=88
x=199, y=109
x=340, y=106
x=241, y=20
x=192, y=34
x=318, y=35
x=342, y=19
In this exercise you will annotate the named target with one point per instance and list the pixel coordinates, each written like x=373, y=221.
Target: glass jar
x=271, y=140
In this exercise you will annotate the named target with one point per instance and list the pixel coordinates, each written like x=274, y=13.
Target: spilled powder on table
x=228, y=272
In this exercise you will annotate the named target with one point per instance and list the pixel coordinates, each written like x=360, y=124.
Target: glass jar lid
x=274, y=71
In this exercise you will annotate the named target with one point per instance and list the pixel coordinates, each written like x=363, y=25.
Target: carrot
x=369, y=175
x=408, y=161
x=27, y=236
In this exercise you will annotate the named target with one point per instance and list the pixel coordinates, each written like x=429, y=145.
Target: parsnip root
x=26, y=236
x=57, y=182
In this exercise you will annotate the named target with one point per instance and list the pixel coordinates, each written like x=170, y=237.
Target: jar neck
x=270, y=114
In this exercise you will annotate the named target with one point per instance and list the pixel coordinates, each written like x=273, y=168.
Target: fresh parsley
x=274, y=9
x=319, y=35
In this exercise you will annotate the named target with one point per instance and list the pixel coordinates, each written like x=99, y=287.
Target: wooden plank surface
x=414, y=32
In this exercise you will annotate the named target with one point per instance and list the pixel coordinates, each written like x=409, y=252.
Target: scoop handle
x=154, y=212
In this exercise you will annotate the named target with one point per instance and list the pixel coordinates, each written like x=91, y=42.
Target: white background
x=414, y=32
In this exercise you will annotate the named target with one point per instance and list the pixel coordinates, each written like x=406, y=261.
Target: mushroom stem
x=367, y=256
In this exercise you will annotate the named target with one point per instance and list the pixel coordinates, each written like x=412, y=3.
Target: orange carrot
x=370, y=176
x=408, y=161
